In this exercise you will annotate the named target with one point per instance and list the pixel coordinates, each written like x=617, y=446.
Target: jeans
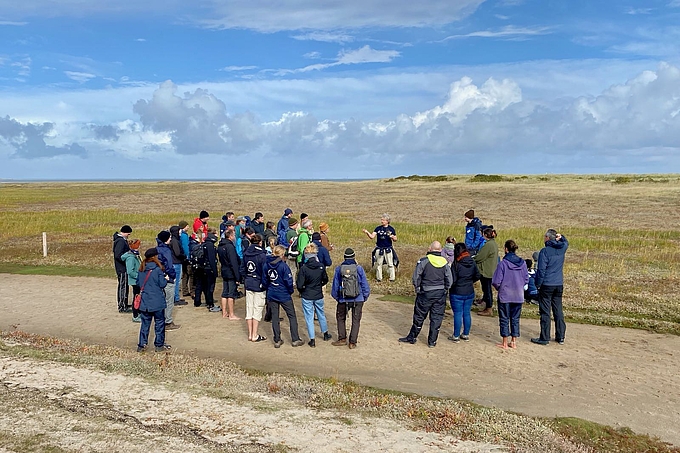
x=178, y=279
x=292, y=319
x=508, y=318
x=487, y=292
x=431, y=303
x=461, y=306
x=159, y=328
x=550, y=297
x=308, y=308
x=341, y=317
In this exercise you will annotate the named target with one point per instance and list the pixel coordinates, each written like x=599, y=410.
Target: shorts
x=229, y=289
x=255, y=302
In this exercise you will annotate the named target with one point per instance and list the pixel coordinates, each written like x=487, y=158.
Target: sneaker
x=137, y=318
x=277, y=344
x=312, y=343
x=181, y=302
x=559, y=341
x=340, y=342
x=141, y=348
x=352, y=345
x=431, y=345
x=172, y=326
x=408, y=340
x=164, y=348
x=297, y=343
x=539, y=341
x=327, y=336
x=125, y=310
x=214, y=309
x=454, y=339
x=465, y=337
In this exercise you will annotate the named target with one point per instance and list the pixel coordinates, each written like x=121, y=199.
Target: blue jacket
x=165, y=257
x=281, y=230
x=184, y=241
x=550, y=270
x=473, y=236
x=279, y=279
x=153, y=296
x=531, y=286
x=323, y=255
x=363, y=283
x=252, y=269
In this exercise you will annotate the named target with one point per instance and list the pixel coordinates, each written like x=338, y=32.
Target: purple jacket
x=509, y=279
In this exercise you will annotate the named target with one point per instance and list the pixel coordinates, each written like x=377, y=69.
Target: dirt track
x=619, y=377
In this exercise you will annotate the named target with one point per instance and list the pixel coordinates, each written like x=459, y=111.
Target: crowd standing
x=267, y=263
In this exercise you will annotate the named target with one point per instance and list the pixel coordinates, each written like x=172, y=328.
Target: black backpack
x=349, y=286
x=199, y=256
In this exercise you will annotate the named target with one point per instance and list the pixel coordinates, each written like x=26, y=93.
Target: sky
x=302, y=89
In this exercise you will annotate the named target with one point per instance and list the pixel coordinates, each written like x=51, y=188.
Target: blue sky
x=337, y=89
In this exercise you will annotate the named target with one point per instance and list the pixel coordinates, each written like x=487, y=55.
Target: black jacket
x=464, y=274
x=229, y=260
x=257, y=227
x=311, y=278
x=211, y=253
x=120, y=246
x=178, y=256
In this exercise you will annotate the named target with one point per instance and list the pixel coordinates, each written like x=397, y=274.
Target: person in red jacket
x=201, y=226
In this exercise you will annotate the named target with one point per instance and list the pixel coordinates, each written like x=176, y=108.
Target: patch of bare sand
x=619, y=377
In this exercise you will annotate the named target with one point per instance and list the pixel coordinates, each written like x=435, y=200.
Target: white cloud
x=508, y=32
x=237, y=68
x=80, y=77
x=636, y=11
x=325, y=37
x=501, y=17
x=22, y=66
x=312, y=55
x=365, y=54
x=674, y=4
x=12, y=23
x=140, y=40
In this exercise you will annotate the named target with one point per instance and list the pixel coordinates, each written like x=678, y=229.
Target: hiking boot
x=340, y=342
x=141, y=348
x=408, y=340
x=352, y=345
x=164, y=348
x=485, y=312
x=277, y=344
x=297, y=343
x=454, y=339
x=327, y=336
x=312, y=343
x=539, y=341
x=181, y=302
x=465, y=337
x=172, y=326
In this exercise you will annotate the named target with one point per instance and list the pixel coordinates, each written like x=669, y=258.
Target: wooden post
x=44, y=244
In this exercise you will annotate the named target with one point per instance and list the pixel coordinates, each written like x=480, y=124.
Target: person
x=324, y=229
x=474, y=238
x=258, y=224
x=448, y=250
x=383, y=252
x=323, y=255
x=201, y=226
x=178, y=257
x=350, y=290
x=269, y=234
x=246, y=236
x=431, y=280
x=487, y=260
x=132, y=262
x=252, y=271
x=229, y=216
x=310, y=282
x=282, y=227
x=206, y=272
x=279, y=290
x=303, y=217
x=120, y=247
x=531, y=292
x=464, y=273
x=292, y=255
x=231, y=274
x=509, y=279
x=165, y=258
x=550, y=284
x=152, y=280
x=187, y=280
x=304, y=238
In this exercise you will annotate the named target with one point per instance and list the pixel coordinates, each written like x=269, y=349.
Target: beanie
x=323, y=226
x=316, y=236
x=151, y=252
x=163, y=236
x=288, y=211
x=470, y=214
x=126, y=229
x=292, y=222
x=203, y=215
x=303, y=216
x=183, y=224
x=349, y=254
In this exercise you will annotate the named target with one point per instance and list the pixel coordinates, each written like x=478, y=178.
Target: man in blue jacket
x=165, y=257
x=350, y=289
x=550, y=284
x=473, y=232
x=282, y=227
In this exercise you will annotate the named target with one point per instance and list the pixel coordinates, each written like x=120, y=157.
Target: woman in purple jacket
x=509, y=279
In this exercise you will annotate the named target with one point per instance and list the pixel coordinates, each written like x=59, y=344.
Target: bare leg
x=230, y=304
x=255, y=324
x=223, y=304
x=250, y=329
x=513, y=343
x=504, y=344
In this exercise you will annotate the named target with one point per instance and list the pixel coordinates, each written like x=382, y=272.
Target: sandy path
x=619, y=377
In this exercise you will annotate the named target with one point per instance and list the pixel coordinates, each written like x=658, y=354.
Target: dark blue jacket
x=281, y=230
x=279, y=279
x=550, y=270
x=473, y=236
x=252, y=269
x=231, y=263
x=153, y=296
x=464, y=273
x=363, y=283
x=165, y=257
x=323, y=255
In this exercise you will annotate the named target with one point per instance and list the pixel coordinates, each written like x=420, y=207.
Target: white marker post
x=44, y=244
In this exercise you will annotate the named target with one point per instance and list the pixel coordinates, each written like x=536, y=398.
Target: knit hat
x=323, y=226
x=163, y=236
x=316, y=236
x=135, y=245
x=303, y=215
x=470, y=214
x=126, y=229
x=203, y=215
x=151, y=252
x=183, y=224
x=292, y=222
x=288, y=211
x=349, y=254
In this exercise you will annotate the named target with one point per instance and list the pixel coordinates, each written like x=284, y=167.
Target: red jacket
x=202, y=227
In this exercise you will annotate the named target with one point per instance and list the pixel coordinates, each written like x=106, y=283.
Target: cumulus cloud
x=28, y=140
x=106, y=132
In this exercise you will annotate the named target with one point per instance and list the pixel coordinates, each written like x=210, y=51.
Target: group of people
x=271, y=261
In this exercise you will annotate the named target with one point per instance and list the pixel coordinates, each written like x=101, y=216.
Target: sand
x=619, y=377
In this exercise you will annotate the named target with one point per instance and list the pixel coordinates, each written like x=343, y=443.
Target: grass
x=353, y=402
x=621, y=270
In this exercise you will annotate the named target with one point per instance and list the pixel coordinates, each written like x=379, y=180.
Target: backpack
x=349, y=286
x=293, y=251
x=198, y=255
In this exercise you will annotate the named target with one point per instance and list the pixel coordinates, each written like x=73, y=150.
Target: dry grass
x=624, y=231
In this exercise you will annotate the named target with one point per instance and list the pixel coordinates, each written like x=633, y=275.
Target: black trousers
x=341, y=317
x=292, y=319
x=431, y=303
x=550, y=299
x=205, y=284
x=487, y=291
x=135, y=290
x=123, y=291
